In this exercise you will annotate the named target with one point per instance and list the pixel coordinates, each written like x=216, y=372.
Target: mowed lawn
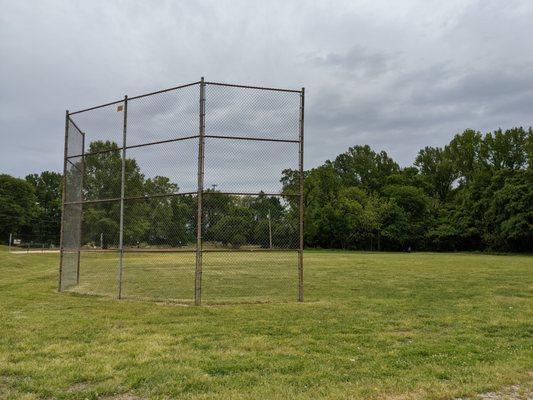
x=379, y=326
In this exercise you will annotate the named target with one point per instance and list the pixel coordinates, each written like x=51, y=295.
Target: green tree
x=182, y=225
x=438, y=171
x=411, y=214
x=509, y=213
x=228, y=227
x=507, y=149
x=466, y=153
x=361, y=166
x=47, y=187
x=18, y=206
x=102, y=180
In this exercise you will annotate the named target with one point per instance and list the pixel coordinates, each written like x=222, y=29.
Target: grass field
x=235, y=277
x=380, y=326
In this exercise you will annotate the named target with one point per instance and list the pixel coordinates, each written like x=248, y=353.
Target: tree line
x=475, y=193
x=156, y=214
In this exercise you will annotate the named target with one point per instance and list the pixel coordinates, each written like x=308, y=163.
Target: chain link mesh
x=250, y=233
x=248, y=166
x=164, y=168
x=252, y=113
x=163, y=116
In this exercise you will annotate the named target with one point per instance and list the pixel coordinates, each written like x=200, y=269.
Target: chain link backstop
x=186, y=194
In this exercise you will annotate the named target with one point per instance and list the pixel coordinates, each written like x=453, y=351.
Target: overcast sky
x=397, y=75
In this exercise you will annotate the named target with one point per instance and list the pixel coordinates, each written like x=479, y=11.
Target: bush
x=237, y=240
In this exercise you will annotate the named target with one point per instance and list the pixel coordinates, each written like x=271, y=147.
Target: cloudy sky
x=397, y=75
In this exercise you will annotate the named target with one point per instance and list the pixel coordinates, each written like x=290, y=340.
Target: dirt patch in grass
x=515, y=392
x=77, y=387
x=123, y=396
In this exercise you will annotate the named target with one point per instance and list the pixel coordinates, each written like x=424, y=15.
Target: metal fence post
x=201, y=141
x=81, y=205
x=122, y=187
x=9, y=244
x=63, y=197
x=301, y=201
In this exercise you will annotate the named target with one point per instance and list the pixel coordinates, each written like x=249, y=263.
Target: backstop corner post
x=301, y=202
x=63, y=197
x=122, y=189
x=199, y=244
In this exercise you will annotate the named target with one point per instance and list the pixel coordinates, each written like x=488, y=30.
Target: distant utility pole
x=269, y=230
x=214, y=186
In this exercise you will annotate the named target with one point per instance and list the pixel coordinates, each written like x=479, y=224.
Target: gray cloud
x=395, y=75
x=357, y=61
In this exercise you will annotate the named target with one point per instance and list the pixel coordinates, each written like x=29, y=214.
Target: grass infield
x=374, y=325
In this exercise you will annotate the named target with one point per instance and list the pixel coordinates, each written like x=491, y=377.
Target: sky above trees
x=395, y=75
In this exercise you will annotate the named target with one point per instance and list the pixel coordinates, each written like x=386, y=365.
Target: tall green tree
x=361, y=166
x=47, y=187
x=438, y=170
x=466, y=153
x=508, y=217
x=102, y=181
x=18, y=206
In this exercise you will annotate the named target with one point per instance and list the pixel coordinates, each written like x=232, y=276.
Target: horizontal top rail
x=96, y=107
x=184, y=86
x=134, y=97
x=164, y=90
x=253, y=87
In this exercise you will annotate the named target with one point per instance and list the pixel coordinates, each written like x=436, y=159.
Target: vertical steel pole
x=81, y=205
x=201, y=142
x=301, y=201
x=63, y=197
x=122, y=188
x=269, y=231
x=9, y=244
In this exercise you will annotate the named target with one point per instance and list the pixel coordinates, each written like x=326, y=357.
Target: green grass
x=380, y=326
x=227, y=277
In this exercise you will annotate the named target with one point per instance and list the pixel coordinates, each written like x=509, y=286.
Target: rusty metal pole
x=81, y=206
x=122, y=189
x=201, y=142
x=301, y=201
x=269, y=231
x=63, y=197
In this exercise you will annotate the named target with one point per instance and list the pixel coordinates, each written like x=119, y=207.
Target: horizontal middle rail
x=140, y=197
x=158, y=195
x=134, y=146
x=253, y=138
x=183, y=138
